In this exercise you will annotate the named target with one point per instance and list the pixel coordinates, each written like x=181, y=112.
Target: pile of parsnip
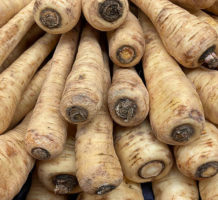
x=73, y=104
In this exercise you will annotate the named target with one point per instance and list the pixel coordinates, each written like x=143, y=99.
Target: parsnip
x=214, y=8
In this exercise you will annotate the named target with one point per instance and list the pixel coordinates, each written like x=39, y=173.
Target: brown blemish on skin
x=37, y=4
x=196, y=115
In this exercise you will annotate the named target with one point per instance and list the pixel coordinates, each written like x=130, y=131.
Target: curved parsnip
x=128, y=98
x=126, y=190
x=206, y=84
x=176, y=112
x=199, y=159
x=209, y=188
x=47, y=130
x=105, y=15
x=191, y=42
x=193, y=4
x=57, y=17
x=143, y=158
x=214, y=8
x=175, y=186
x=126, y=44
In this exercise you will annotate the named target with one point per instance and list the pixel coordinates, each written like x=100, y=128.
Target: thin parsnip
x=57, y=17
x=214, y=8
x=175, y=186
x=15, y=162
x=15, y=78
x=176, y=113
x=30, y=95
x=83, y=92
x=199, y=159
x=191, y=42
x=12, y=32
x=8, y=8
x=143, y=158
x=47, y=130
x=126, y=43
x=105, y=15
x=31, y=36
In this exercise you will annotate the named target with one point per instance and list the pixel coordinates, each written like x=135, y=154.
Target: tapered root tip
x=125, y=109
x=77, y=114
x=50, y=18
x=105, y=189
x=40, y=154
x=183, y=133
x=151, y=169
x=64, y=183
x=207, y=170
x=126, y=54
x=110, y=10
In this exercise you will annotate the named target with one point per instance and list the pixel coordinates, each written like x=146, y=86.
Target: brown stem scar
x=77, y=114
x=207, y=170
x=125, y=109
x=40, y=153
x=110, y=10
x=126, y=54
x=182, y=133
x=105, y=189
x=50, y=18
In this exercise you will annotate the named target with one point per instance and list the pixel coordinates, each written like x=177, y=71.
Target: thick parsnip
x=15, y=162
x=214, y=8
x=12, y=32
x=143, y=158
x=105, y=15
x=57, y=17
x=175, y=186
x=209, y=188
x=191, y=42
x=59, y=174
x=31, y=36
x=206, y=84
x=15, y=78
x=47, y=130
x=199, y=159
x=128, y=99
x=30, y=95
x=83, y=93
x=8, y=8
x=176, y=112
x=127, y=190
x=126, y=44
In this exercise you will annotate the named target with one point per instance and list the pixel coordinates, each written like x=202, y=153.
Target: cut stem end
x=105, y=189
x=126, y=54
x=207, y=170
x=40, y=153
x=77, y=114
x=183, y=133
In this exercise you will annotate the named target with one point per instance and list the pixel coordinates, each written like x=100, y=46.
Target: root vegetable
x=105, y=15
x=57, y=17
x=191, y=42
x=176, y=112
x=199, y=159
x=143, y=158
x=47, y=130
x=126, y=44
x=214, y=8
x=16, y=77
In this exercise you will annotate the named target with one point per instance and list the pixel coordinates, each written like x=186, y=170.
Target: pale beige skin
x=30, y=95
x=15, y=162
x=127, y=88
x=174, y=101
x=143, y=158
x=184, y=36
x=193, y=4
x=14, y=30
x=31, y=36
x=91, y=12
x=84, y=86
x=209, y=188
x=9, y=8
x=64, y=164
x=57, y=17
x=206, y=84
x=214, y=8
x=127, y=190
x=39, y=192
x=47, y=130
x=15, y=78
x=175, y=186
x=199, y=159
x=126, y=44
